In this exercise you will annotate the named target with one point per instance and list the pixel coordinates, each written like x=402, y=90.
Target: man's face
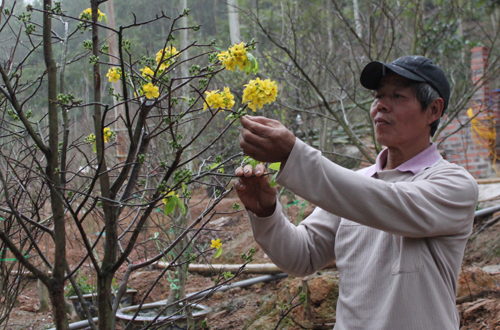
x=397, y=115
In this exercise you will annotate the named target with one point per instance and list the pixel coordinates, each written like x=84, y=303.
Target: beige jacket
x=398, y=239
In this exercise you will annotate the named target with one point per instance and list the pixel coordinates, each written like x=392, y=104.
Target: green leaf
x=248, y=67
x=273, y=180
x=170, y=206
x=275, y=166
x=178, y=202
x=94, y=147
x=218, y=253
x=253, y=162
x=254, y=66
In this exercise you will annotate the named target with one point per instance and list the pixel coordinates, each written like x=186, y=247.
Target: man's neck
x=398, y=156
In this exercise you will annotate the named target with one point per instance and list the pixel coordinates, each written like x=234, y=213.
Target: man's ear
x=435, y=109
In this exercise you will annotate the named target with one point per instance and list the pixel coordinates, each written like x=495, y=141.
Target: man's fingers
x=244, y=171
x=238, y=171
x=259, y=169
x=250, y=137
x=262, y=120
x=239, y=185
x=261, y=127
x=248, y=171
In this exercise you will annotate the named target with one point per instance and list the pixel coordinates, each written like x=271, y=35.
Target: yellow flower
x=168, y=58
x=217, y=100
x=167, y=197
x=113, y=74
x=147, y=72
x=108, y=134
x=150, y=91
x=259, y=92
x=235, y=56
x=216, y=244
x=90, y=138
x=87, y=14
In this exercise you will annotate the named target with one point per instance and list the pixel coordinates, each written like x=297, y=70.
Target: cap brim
x=374, y=71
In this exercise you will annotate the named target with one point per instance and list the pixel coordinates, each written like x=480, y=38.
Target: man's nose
x=383, y=105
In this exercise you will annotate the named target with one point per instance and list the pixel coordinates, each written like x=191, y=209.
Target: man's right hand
x=254, y=190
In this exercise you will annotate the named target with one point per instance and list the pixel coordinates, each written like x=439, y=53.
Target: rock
x=135, y=275
x=323, y=295
x=491, y=269
x=320, y=287
x=474, y=280
x=219, y=314
x=218, y=295
x=477, y=306
x=29, y=308
x=234, y=290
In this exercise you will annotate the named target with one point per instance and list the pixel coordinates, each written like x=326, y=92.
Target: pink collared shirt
x=427, y=158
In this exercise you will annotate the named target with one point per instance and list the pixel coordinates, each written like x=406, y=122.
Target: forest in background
x=315, y=50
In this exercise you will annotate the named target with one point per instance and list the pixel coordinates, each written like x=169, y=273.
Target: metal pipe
x=487, y=211
x=200, y=294
x=79, y=324
x=240, y=284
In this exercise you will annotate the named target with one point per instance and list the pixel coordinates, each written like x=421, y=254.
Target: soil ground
x=479, y=305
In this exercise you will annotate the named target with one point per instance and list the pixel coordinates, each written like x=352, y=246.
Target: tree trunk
x=104, y=276
x=43, y=293
x=357, y=19
x=178, y=287
x=58, y=272
x=234, y=22
x=121, y=136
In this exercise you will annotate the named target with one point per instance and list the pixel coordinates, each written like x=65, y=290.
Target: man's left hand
x=266, y=140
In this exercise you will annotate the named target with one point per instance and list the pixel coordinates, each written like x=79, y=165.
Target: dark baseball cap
x=413, y=67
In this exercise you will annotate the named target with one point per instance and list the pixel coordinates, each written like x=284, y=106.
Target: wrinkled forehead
x=393, y=79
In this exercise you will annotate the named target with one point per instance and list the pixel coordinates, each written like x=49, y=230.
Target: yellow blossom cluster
x=90, y=138
x=108, y=134
x=147, y=72
x=259, y=92
x=168, y=58
x=217, y=100
x=216, y=244
x=235, y=56
x=114, y=74
x=87, y=14
x=151, y=91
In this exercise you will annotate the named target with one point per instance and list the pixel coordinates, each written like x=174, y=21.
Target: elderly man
x=397, y=229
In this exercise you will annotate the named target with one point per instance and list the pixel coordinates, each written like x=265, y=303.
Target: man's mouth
x=381, y=122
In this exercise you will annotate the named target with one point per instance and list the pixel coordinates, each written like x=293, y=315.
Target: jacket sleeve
x=297, y=250
x=442, y=204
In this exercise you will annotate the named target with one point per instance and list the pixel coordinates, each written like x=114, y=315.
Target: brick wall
x=461, y=147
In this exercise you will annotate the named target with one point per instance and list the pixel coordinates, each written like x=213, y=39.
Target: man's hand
x=266, y=140
x=254, y=190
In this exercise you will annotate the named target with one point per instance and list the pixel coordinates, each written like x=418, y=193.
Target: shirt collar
x=425, y=159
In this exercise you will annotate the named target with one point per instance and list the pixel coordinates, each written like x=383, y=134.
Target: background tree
x=51, y=179
x=320, y=47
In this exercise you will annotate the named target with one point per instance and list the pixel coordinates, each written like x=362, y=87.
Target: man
x=397, y=229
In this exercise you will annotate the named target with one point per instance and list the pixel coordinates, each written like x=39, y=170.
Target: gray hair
x=425, y=94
